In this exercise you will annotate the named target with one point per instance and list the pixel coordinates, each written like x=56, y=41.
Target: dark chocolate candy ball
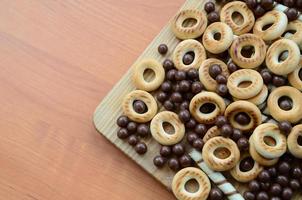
x=287, y=193
x=242, y=118
x=180, y=75
x=168, y=64
x=266, y=76
x=237, y=134
x=215, y=70
x=192, y=74
x=122, y=121
x=220, y=121
x=264, y=176
x=201, y=129
x=209, y=7
x=122, y=133
x=178, y=149
x=282, y=180
x=173, y=163
x=159, y=161
x=184, y=116
x=259, y=11
x=166, y=86
x=285, y=126
x=165, y=151
x=131, y=127
x=249, y=196
x=294, y=184
x=226, y=130
x=267, y=4
x=283, y=168
x=213, y=17
x=296, y=172
x=262, y=196
x=176, y=97
x=272, y=171
x=279, y=81
x=161, y=96
x=140, y=107
x=232, y=67
x=191, y=137
x=133, y=140
x=265, y=186
x=254, y=186
x=196, y=87
x=141, y=148
x=184, y=86
x=251, y=3
x=275, y=189
x=216, y=194
x=188, y=59
x=292, y=14
x=184, y=105
x=289, y=3
x=170, y=75
x=198, y=144
x=285, y=104
x=222, y=89
x=168, y=105
x=243, y=143
x=143, y=130
x=221, y=79
x=185, y=161
x=191, y=123
x=162, y=49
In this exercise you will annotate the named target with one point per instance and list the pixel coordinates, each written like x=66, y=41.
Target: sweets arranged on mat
x=231, y=90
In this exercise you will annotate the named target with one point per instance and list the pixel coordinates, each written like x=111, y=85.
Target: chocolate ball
x=221, y=79
x=264, y=176
x=196, y=87
x=170, y=75
x=139, y=106
x=266, y=76
x=267, y=4
x=289, y=3
x=166, y=86
x=168, y=65
x=249, y=196
x=133, y=140
x=226, y=130
x=254, y=186
x=184, y=116
x=131, y=127
x=243, y=143
x=275, y=198
x=198, y=144
x=251, y=4
x=176, y=87
x=122, y=133
x=176, y=97
x=165, y=151
x=220, y=121
x=188, y=96
x=159, y=161
x=180, y=75
x=296, y=172
x=232, y=67
x=279, y=81
x=173, y=163
x=168, y=105
x=282, y=180
x=178, y=149
x=262, y=196
x=184, y=86
x=191, y=123
x=222, y=89
x=162, y=49
x=192, y=74
x=275, y=189
x=287, y=193
x=143, y=130
x=122, y=121
x=215, y=70
x=213, y=17
x=242, y=118
x=285, y=104
x=294, y=184
x=184, y=105
x=141, y=148
x=191, y=137
x=188, y=59
x=259, y=11
x=161, y=96
x=237, y=134
x=285, y=126
x=216, y=194
x=246, y=164
x=272, y=171
x=201, y=129
x=209, y=7
x=283, y=168
x=185, y=161
x=265, y=186
x=292, y=14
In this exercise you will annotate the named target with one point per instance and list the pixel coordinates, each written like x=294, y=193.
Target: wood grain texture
x=58, y=59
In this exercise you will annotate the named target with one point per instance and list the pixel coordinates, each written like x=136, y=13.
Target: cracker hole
x=289, y=33
x=270, y=141
x=299, y=140
x=168, y=128
x=190, y=56
x=149, y=75
x=237, y=18
x=139, y=106
x=192, y=186
x=285, y=103
x=242, y=118
x=222, y=153
x=300, y=74
x=207, y=108
x=189, y=22
x=283, y=56
x=267, y=26
x=246, y=164
x=217, y=36
x=247, y=51
x=244, y=84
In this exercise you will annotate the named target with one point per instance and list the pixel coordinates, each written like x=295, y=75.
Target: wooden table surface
x=58, y=59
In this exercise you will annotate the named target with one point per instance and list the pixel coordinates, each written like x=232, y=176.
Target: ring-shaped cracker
x=269, y=151
x=144, y=96
x=293, y=115
x=138, y=75
x=216, y=144
x=214, y=131
x=295, y=78
x=243, y=107
x=278, y=21
x=259, y=98
x=217, y=46
x=203, y=98
x=245, y=176
x=292, y=141
x=184, y=47
x=274, y=52
x=204, y=74
x=296, y=27
x=189, y=32
x=237, y=7
x=158, y=132
x=183, y=176
x=244, y=41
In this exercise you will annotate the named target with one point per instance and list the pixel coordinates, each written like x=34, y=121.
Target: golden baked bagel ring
x=295, y=113
x=257, y=157
x=191, y=173
x=158, y=132
x=206, y=107
x=245, y=176
x=217, y=38
x=205, y=77
x=141, y=95
x=295, y=78
x=220, y=154
x=138, y=75
x=274, y=52
x=278, y=21
x=237, y=7
x=247, y=108
x=259, y=98
x=294, y=141
x=296, y=27
x=269, y=151
x=241, y=76
x=246, y=41
x=189, y=32
x=187, y=46
x=214, y=131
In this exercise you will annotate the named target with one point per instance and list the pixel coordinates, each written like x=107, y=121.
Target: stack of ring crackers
x=227, y=102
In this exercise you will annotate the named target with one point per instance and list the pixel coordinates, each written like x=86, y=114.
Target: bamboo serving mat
x=110, y=108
